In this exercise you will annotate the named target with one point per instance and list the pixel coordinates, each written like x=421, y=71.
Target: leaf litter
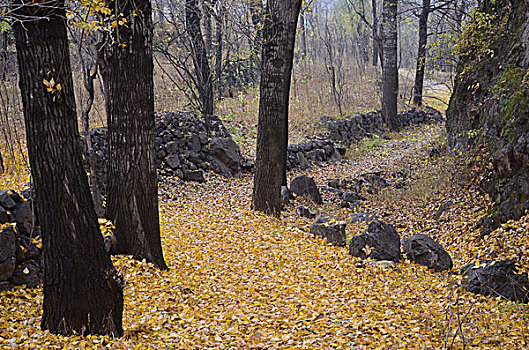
x=239, y=279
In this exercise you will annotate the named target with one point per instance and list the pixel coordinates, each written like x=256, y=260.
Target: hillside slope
x=489, y=111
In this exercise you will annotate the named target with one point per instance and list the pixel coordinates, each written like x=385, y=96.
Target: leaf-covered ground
x=239, y=279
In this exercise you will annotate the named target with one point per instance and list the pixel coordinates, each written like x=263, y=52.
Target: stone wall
x=20, y=255
x=186, y=146
x=340, y=133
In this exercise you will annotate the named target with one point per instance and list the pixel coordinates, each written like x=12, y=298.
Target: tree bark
x=200, y=58
x=219, y=28
x=390, y=76
x=132, y=195
x=303, y=31
x=272, y=129
x=206, y=10
x=421, y=55
x=376, y=38
x=83, y=293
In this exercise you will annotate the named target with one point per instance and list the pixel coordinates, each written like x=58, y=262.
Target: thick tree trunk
x=82, y=290
x=390, y=76
x=132, y=195
x=421, y=55
x=200, y=58
x=272, y=129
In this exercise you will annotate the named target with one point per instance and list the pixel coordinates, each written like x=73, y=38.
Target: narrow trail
x=241, y=280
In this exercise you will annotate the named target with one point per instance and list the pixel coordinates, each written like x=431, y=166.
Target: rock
x=362, y=217
x=7, y=252
x=380, y=242
x=333, y=190
x=225, y=156
x=333, y=232
x=15, y=196
x=286, y=196
x=28, y=273
x=496, y=278
x=304, y=212
x=352, y=197
x=24, y=218
x=172, y=147
x=194, y=175
x=6, y=201
x=4, y=216
x=5, y=285
x=425, y=251
x=173, y=161
x=302, y=185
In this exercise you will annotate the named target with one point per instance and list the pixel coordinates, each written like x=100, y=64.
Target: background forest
x=264, y=174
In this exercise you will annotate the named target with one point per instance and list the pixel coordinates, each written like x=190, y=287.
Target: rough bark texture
x=390, y=76
x=132, y=195
x=276, y=67
x=488, y=112
x=421, y=54
x=200, y=58
x=82, y=290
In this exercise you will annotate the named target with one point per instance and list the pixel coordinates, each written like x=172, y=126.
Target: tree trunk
x=200, y=58
x=376, y=38
x=421, y=55
x=390, y=76
x=256, y=9
x=206, y=10
x=219, y=28
x=82, y=290
x=272, y=129
x=303, y=35
x=132, y=195
x=3, y=55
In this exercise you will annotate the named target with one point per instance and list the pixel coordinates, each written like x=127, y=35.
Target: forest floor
x=240, y=279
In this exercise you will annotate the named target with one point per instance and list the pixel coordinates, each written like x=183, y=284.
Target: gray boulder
x=225, y=156
x=23, y=216
x=352, y=197
x=497, y=278
x=380, y=242
x=286, y=196
x=425, y=251
x=6, y=201
x=302, y=185
x=7, y=253
x=173, y=161
x=333, y=232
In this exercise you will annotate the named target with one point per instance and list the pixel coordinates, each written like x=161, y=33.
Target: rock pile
x=186, y=146
x=20, y=258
